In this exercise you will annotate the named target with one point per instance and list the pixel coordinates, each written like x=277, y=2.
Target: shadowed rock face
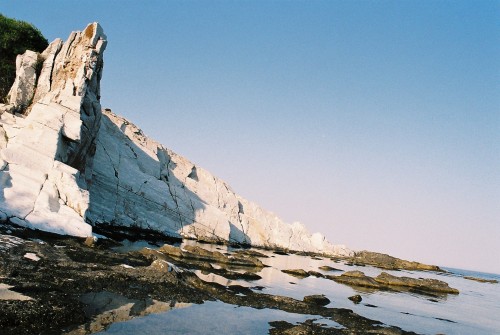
x=66, y=165
x=385, y=281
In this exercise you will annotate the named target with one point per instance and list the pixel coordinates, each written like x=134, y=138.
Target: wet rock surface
x=79, y=289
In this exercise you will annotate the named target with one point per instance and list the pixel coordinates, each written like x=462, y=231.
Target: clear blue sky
x=374, y=122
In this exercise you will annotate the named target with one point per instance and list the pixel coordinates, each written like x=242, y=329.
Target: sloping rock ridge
x=67, y=165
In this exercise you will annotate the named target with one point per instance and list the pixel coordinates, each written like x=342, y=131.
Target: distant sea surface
x=476, y=310
x=476, y=274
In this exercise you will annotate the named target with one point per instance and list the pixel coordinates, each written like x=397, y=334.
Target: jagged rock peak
x=67, y=166
x=67, y=69
x=52, y=134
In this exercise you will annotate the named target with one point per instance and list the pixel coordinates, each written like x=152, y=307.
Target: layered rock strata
x=67, y=165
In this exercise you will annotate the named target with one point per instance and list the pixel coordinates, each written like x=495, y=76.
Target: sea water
x=476, y=310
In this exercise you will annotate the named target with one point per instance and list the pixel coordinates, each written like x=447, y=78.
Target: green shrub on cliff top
x=15, y=38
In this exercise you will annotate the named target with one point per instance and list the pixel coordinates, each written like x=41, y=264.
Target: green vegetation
x=15, y=38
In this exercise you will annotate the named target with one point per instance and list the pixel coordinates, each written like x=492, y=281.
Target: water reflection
x=473, y=311
x=211, y=318
x=105, y=308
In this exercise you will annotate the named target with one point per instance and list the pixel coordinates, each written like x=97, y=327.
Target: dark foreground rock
x=385, y=281
x=79, y=289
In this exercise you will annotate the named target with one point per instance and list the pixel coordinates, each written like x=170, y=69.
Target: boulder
x=355, y=298
x=317, y=299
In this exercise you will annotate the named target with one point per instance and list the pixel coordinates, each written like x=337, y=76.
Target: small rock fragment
x=356, y=298
x=90, y=241
x=32, y=256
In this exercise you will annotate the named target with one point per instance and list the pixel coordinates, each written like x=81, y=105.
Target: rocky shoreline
x=78, y=286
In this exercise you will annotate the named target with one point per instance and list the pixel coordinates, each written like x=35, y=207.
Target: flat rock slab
x=297, y=273
x=387, y=262
x=385, y=281
x=200, y=254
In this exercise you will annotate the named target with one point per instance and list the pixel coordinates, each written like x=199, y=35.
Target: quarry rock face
x=66, y=165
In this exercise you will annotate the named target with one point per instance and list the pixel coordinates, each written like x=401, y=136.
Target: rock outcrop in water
x=67, y=166
x=386, y=281
x=387, y=262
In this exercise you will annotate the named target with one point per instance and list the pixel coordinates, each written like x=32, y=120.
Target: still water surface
x=476, y=310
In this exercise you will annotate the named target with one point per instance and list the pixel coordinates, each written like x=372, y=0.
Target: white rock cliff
x=66, y=165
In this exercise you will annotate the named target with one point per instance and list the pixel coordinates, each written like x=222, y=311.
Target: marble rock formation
x=66, y=165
